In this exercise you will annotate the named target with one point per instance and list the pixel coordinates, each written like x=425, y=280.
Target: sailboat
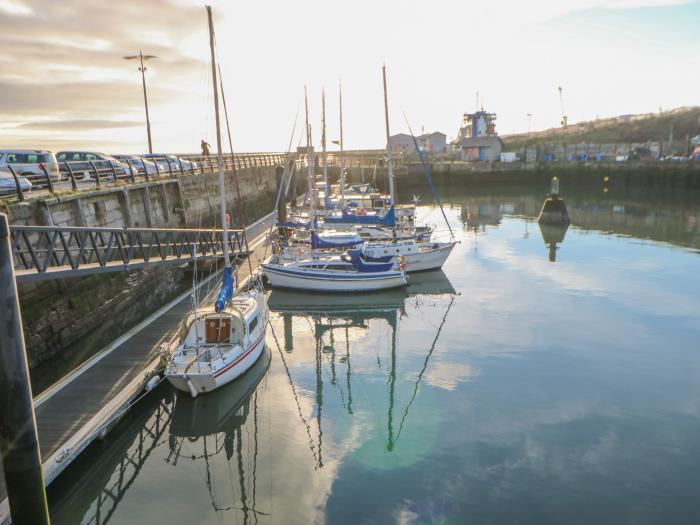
x=384, y=240
x=220, y=341
x=350, y=272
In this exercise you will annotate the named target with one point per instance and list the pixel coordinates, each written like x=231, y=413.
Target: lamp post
x=142, y=69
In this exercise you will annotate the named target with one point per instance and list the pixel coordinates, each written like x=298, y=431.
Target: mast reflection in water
x=508, y=389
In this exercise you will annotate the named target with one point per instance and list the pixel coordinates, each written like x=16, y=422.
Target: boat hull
x=429, y=259
x=284, y=278
x=195, y=383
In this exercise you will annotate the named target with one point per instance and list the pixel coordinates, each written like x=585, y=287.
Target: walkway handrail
x=48, y=252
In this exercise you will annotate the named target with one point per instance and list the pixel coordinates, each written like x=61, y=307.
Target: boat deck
x=73, y=412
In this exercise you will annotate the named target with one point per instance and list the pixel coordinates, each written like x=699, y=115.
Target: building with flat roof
x=481, y=148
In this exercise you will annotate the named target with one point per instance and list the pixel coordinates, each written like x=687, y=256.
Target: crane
x=564, y=118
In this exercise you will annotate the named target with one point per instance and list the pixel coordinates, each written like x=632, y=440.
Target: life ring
x=362, y=212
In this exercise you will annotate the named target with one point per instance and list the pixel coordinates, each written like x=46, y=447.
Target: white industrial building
x=435, y=142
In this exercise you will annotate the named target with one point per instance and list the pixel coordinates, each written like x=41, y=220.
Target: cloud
x=14, y=8
x=74, y=79
x=635, y=4
x=73, y=125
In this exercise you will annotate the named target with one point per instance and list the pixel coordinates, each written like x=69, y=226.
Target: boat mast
x=219, y=155
x=309, y=161
x=326, y=193
x=342, y=156
x=389, y=159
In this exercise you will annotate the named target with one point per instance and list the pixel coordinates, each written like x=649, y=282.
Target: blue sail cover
x=389, y=219
x=317, y=242
x=363, y=266
x=226, y=292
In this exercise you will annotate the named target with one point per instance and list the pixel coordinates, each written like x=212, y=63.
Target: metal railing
x=49, y=252
x=74, y=175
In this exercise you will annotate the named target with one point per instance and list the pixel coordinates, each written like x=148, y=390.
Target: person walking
x=205, y=148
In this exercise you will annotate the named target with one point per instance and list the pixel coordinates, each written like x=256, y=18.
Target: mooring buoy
x=554, y=208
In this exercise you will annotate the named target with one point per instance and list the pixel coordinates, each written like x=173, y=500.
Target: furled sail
x=226, y=292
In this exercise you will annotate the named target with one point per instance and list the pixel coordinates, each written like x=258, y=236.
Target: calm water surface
x=547, y=376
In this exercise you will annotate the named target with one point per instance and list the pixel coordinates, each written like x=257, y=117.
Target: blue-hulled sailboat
x=350, y=272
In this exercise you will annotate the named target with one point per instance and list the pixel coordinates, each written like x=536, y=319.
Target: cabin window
x=336, y=267
x=252, y=325
x=218, y=330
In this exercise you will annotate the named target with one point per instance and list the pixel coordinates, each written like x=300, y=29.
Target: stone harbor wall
x=65, y=313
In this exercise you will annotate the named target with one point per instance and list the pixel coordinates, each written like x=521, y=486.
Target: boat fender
x=152, y=383
x=193, y=390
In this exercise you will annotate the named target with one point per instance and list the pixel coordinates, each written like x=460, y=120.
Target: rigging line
x=294, y=391
x=427, y=175
x=235, y=173
x=291, y=170
x=425, y=366
x=281, y=189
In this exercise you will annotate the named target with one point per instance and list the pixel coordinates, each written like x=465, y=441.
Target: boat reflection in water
x=210, y=426
x=332, y=314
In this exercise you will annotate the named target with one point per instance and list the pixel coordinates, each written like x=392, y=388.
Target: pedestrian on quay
x=205, y=148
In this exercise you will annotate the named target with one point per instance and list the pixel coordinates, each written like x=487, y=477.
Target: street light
x=142, y=69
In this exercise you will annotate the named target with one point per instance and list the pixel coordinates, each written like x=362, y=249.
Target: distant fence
x=75, y=175
x=589, y=152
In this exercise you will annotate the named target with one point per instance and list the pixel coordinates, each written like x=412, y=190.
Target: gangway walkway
x=76, y=410
x=52, y=252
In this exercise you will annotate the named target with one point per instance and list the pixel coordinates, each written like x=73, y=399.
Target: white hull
x=195, y=382
x=281, y=278
x=432, y=259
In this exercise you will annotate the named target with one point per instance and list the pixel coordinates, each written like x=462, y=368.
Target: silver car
x=31, y=163
x=139, y=164
x=85, y=163
x=8, y=185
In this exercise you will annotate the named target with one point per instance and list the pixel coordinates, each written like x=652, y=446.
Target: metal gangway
x=50, y=252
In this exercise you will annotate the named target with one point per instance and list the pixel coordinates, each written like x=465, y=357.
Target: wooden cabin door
x=218, y=330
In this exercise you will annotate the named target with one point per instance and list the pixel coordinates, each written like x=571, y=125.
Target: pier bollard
x=554, y=208
x=19, y=443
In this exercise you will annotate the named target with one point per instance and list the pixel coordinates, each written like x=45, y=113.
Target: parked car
x=139, y=164
x=31, y=164
x=166, y=163
x=82, y=163
x=8, y=184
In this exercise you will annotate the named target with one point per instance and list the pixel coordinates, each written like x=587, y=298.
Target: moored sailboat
x=218, y=342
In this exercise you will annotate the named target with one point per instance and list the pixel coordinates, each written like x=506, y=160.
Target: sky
x=64, y=83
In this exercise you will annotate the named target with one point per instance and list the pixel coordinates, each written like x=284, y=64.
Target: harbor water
x=546, y=376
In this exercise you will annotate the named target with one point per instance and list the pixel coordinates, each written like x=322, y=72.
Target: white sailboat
x=218, y=342
x=418, y=255
x=350, y=272
x=344, y=273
